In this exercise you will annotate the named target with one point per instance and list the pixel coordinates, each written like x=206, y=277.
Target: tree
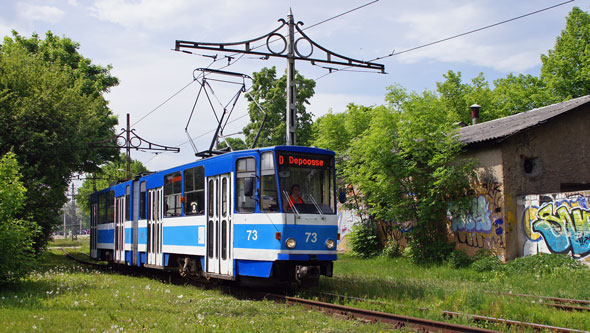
x=456, y=97
x=270, y=93
x=335, y=131
x=110, y=172
x=514, y=94
x=16, y=234
x=235, y=143
x=51, y=108
x=405, y=165
x=566, y=68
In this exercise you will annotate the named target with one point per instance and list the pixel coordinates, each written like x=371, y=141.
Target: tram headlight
x=330, y=244
x=291, y=243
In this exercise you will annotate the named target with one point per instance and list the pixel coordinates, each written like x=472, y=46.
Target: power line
x=341, y=14
x=161, y=104
x=455, y=36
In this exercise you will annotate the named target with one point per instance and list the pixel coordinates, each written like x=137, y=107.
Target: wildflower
x=180, y=296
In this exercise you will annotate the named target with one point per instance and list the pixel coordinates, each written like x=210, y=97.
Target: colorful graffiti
x=482, y=224
x=478, y=219
x=562, y=224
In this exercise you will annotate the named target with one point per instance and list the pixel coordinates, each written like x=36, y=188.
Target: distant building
x=533, y=189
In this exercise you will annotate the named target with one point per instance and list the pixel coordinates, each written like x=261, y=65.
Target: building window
x=172, y=194
x=194, y=191
x=246, y=185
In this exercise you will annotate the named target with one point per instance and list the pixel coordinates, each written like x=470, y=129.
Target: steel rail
x=479, y=318
x=398, y=321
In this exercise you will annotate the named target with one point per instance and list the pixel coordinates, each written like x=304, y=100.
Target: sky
x=137, y=38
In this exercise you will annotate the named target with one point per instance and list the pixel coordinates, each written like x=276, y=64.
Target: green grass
x=64, y=296
x=408, y=289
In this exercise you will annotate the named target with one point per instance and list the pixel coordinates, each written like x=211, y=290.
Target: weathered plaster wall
x=482, y=226
x=555, y=223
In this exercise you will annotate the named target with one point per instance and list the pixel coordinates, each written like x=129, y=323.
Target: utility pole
x=74, y=210
x=291, y=92
x=128, y=139
x=288, y=50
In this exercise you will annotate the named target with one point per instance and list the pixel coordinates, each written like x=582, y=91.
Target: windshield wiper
x=291, y=203
x=316, y=205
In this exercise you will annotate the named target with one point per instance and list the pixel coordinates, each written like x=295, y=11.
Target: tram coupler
x=306, y=272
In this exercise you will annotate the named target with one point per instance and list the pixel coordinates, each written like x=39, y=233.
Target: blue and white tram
x=229, y=216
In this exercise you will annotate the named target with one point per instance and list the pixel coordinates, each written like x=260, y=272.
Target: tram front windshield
x=313, y=175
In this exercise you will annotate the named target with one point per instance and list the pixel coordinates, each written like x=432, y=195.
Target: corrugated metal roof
x=503, y=127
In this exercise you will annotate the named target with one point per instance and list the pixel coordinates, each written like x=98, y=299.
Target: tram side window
x=246, y=185
x=194, y=191
x=102, y=209
x=172, y=194
x=111, y=206
x=127, y=203
x=268, y=183
x=142, y=200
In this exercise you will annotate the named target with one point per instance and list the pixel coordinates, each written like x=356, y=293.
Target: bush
x=543, y=263
x=487, y=262
x=428, y=251
x=460, y=259
x=17, y=255
x=363, y=241
x=392, y=250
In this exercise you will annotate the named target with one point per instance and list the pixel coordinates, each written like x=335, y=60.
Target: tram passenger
x=294, y=197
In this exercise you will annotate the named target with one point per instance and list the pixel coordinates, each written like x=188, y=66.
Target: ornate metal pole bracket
x=288, y=48
x=128, y=140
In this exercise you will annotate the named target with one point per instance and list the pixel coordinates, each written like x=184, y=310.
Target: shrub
x=543, y=263
x=17, y=256
x=363, y=241
x=427, y=251
x=460, y=259
x=487, y=262
x=392, y=250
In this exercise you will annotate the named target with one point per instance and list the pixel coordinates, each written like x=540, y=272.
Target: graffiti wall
x=346, y=219
x=557, y=223
x=482, y=224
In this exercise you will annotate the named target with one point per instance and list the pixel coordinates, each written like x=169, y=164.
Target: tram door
x=219, y=225
x=93, y=219
x=120, y=229
x=154, y=246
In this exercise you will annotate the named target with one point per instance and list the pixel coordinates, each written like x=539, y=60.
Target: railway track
x=476, y=318
x=397, y=321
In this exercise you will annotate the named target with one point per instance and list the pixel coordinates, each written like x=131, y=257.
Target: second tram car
x=230, y=216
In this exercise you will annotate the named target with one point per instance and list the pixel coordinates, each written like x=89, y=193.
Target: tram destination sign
x=304, y=160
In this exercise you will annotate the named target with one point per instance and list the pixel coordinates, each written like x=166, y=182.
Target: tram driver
x=294, y=197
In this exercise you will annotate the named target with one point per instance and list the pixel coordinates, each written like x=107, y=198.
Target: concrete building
x=533, y=187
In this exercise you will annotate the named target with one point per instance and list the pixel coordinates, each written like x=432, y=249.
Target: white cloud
x=40, y=13
x=145, y=13
x=494, y=48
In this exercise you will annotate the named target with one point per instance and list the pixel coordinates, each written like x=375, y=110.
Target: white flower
x=180, y=296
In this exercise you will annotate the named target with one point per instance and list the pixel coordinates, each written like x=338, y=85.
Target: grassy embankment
x=408, y=288
x=62, y=296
